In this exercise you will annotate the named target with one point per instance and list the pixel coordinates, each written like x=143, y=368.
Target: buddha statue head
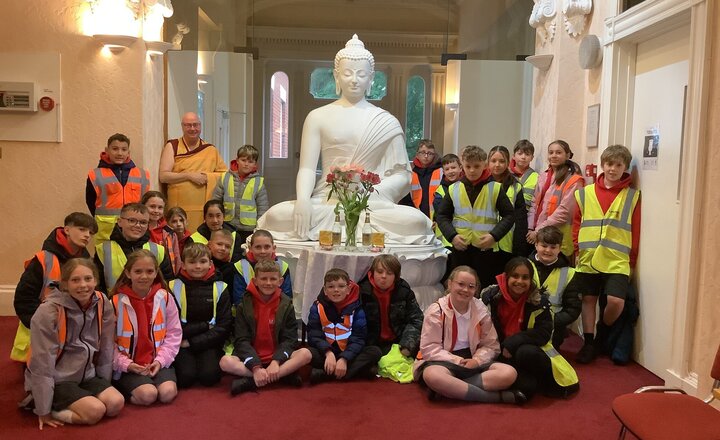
x=354, y=69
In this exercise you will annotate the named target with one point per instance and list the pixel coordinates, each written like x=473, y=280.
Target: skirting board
x=689, y=383
x=7, y=293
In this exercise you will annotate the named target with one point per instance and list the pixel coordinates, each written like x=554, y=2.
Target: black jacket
x=571, y=302
x=130, y=247
x=199, y=298
x=30, y=286
x=406, y=318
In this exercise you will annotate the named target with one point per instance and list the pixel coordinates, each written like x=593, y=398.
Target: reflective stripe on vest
x=473, y=221
x=506, y=243
x=440, y=190
x=113, y=259
x=562, y=371
x=339, y=332
x=178, y=289
x=247, y=270
x=605, y=239
x=248, y=207
x=127, y=322
x=529, y=181
x=416, y=189
x=111, y=195
x=555, y=284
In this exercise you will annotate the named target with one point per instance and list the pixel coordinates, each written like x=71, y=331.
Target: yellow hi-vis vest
x=563, y=372
x=529, y=181
x=248, y=207
x=440, y=190
x=113, y=259
x=197, y=237
x=246, y=270
x=605, y=240
x=177, y=287
x=506, y=243
x=554, y=284
x=471, y=222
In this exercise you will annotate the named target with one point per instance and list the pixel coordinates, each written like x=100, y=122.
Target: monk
x=190, y=167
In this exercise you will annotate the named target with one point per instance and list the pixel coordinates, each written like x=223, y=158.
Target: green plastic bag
x=395, y=366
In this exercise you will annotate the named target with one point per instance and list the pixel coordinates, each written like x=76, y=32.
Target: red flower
x=330, y=178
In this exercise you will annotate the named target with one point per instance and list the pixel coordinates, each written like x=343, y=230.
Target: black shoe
x=372, y=372
x=432, y=395
x=520, y=397
x=241, y=385
x=587, y=354
x=293, y=380
x=318, y=375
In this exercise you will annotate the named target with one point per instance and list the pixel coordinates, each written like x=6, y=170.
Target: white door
x=661, y=77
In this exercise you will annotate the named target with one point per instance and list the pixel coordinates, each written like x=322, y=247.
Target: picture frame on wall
x=593, y=126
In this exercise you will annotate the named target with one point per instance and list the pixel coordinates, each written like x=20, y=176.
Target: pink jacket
x=436, y=346
x=565, y=211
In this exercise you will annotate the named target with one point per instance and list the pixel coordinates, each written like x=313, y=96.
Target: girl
x=554, y=203
x=160, y=231
x=459, y=344
x=514, y=242
x=391, y=310
x=521, y=314
x=176, y=218
x=262, y=247
x=214, y=220
x=72, y=336
x=148, y=332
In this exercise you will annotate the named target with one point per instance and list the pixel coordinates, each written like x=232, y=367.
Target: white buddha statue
x=351, y=131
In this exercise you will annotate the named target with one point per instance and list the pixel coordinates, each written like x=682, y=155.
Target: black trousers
x=359, y=366
x=535, y=372
x=203, y=367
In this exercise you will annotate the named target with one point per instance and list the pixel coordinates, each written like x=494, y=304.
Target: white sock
x=64, y=416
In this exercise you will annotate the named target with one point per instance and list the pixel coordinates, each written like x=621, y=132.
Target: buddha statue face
x=354, y=70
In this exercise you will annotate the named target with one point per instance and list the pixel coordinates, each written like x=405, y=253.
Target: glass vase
x=352, y=220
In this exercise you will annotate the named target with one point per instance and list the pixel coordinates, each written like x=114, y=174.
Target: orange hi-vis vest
x=111, y=196
x=567, y=247
x=51, y=273
x=127, y=322
x=339, y=332
x=416, y=189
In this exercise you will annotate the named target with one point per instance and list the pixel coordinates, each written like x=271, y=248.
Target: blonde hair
x=194, y=251
x=466, y=269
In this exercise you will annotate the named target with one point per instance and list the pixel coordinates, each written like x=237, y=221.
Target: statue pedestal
x=422, y=267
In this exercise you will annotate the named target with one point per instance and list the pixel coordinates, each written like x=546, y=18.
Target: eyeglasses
x=425, y=153
x=463, y=285
x=191, y=125
x=134, y=221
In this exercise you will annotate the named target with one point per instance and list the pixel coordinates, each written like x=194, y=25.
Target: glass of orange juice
x=326, y=239
x=378, y=239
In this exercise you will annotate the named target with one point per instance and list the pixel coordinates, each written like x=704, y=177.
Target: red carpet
x=356, y=410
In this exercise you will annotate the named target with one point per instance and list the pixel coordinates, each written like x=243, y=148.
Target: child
x=554, y=274
x=553, y=203
x=262, y=247
x=114, y=183
x=452, y=172
x=514, y=242
x=392, y=313
x=72, y=338
x=474, y=215
x=524, y=323
x=337, y=332
x=458, y=347
x=265, y=335
x=523, y=154
x=607, y=232
x=148, y=332
x=129, y=235
x=204, y=306
x=214, y=220
x=176, y=218
x=43, y=268
x=242, y=190
x=160, y=231
x=426, y=175
x=220, y=243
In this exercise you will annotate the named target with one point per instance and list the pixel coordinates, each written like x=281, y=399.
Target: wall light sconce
x=115, y=43
x=540, y=62
x=157, y=48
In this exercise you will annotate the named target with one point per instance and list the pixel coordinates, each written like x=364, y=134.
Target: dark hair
x=150, y=194
x=261, y=233
x=118, y=137
x=335, y=274
x=213, y=202
x=388, y=262
x=81, y=220
x=123, y=279
x=569, y=167
x=248, y=151
x=175, y=210
x=449, y=158
x=550, y=235
x=507, y=177
x=473, y=153
x=516, y=262
x=134, y=207
x=616, y=153
x=427, y=143
x=525, y=146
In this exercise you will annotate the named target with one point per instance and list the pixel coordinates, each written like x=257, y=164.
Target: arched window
x=322, y=85
x=415, y=114
x=279, y=88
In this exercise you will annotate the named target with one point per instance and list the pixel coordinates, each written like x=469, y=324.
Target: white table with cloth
x=422, y=266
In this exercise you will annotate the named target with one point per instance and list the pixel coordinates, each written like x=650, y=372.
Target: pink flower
x=330, y=178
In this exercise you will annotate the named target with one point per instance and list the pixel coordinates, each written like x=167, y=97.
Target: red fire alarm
x=47, y=103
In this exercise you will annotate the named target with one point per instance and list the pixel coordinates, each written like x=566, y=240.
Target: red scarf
x=265, y=310
x=416, y=162
x=234, y=167
x=105, y=158
x=510, y=311
x=62, y=239
x=143, y=307
x=513, y=168
x=539, y=203
x=383, y=298
x=352, y=296
x=251, y=257
x=484, y=176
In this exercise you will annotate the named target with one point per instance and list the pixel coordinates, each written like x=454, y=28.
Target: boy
x=426, y=176
x=114, y=183
x=129, y=234
x=523, y=154
x=265, y=335
x=262, y=247
x=242, y=190
x=204, y=306
x=554, y=274
x=606, y=232
x=220, y=244
x=337, y=332
x=468, y=216
x=452, y=171
x=63, y=243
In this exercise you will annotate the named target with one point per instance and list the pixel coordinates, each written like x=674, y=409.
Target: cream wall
x=101, y=94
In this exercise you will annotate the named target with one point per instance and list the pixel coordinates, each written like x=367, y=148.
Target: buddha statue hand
x=302, y=216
